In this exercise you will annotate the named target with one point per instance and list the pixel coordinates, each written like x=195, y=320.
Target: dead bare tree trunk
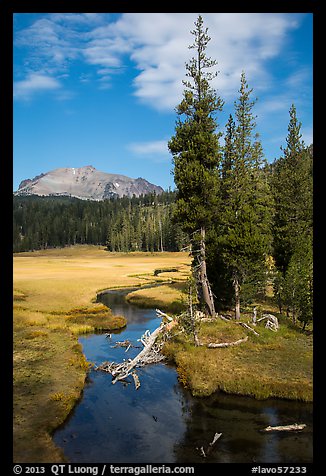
x=236, y=285
x=192, y=317
x=161, y=236
x=205, y=288
x=254, y=319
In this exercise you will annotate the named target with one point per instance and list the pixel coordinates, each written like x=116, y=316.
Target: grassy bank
x=54, y=302
x=167, y=297
x=273, y=364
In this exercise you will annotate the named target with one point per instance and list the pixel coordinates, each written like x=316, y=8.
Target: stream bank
x=162, y=422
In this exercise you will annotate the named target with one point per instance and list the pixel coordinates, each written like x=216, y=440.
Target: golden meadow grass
x=166, y=297
x=269, y=365
x=54, y=302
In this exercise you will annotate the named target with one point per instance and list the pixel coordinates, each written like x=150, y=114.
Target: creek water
x=161, y=422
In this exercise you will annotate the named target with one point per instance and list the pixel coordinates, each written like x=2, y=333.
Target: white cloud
x=157, y=44
x=156, y=150
x=49, y=44
x=33, y=84
x=78, y=18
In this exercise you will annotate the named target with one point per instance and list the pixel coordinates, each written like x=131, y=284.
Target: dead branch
x=163, y=314
x=151, y=353
x=124, y=343
x=272, y=322
x=243, y=324
x=227, y=319
x=254, y=318
x=213, y=345
x=202, y=451
x=136, y=380
x=216, y=437
x=294, y=427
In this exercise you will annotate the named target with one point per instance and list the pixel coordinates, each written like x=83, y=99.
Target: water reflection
x=134, y=315
x=115, y=423
x=240, y=420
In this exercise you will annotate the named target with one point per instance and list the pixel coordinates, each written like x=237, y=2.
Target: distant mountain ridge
x=86, y=183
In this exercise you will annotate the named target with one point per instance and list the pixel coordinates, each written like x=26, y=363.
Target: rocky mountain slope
x=85, y=183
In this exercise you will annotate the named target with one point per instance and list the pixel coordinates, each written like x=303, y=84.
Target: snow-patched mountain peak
x=86, y=183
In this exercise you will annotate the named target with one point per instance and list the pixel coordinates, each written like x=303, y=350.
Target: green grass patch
x=167, y=297
x=165, y=270
x=269, y=365
x=97, y=318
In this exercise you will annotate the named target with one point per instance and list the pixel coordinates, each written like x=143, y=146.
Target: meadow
x=270, y=365
x=54, y=302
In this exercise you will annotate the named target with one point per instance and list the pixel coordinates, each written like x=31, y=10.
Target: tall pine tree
x=292, y=189
x=196, y=156
x=292, y=185
x=244, y=216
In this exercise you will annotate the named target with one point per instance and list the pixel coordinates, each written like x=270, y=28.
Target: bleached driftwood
x=294, y=427
x=202, y=451
x=254, y=318
x=243, y=324
x=125, y=343
x=216, y=437
x=142, y=358
x=162, y=314
x=272, y=322
x=214, y=345
x=136, y=380
x=149, y=354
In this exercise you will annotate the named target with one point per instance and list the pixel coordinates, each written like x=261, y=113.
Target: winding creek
x=161, y=422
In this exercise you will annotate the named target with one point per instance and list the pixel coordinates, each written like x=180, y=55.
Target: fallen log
x=294, y=427
x=214, y=345
x=226, y=319
x=208, y=319
x=148, y=341
x=148, y=355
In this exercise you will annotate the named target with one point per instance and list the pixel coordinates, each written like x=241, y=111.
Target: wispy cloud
x=239, y=41
x=155, y=150
x=156, y=44
x=33, y=84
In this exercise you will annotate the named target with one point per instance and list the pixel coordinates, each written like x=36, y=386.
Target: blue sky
x=100, y=89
